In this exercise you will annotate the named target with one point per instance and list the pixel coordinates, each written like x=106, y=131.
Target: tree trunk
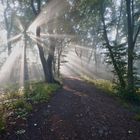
x=50, y=62
x=47, y=65
x=130, y=76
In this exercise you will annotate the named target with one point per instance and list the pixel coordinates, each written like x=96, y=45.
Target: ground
x=78, y=111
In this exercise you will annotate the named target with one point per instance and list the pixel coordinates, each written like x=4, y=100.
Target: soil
x=78, y=111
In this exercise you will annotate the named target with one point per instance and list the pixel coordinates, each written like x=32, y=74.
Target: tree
x=131, y=40
x=110, y=15
x=47, y=64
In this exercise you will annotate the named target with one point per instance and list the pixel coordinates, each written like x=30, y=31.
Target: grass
x=104, y=85
x=21, y=101
x=40, y=92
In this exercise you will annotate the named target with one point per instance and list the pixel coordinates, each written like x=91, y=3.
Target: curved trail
x=79, y=111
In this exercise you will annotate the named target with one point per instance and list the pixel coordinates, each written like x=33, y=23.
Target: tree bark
x=130, y=76
x=47, y=65
x=50, y=60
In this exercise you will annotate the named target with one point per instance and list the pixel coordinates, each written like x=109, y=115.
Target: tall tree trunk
x=50, y=60
x=130, y=76
x=47, y=64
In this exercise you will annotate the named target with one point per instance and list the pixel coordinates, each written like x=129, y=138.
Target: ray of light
x=19, y=24
x=54, y=9
x=58, y=36
x=36, y=40
x=22, y=65
x=76, y=66
x=35, y=70
x=40, y=40
x=13, y=39
x=10, y=67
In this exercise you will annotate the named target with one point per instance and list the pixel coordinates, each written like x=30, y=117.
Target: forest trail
x=79, y=111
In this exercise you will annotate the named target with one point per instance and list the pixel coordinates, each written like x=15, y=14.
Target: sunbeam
x=37, y=40
x=54, y=9
x=11, y=66
x=57, y=36
x=13, y=39
x=19, y=24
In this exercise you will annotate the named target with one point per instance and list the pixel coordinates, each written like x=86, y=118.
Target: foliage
x=22, y=108
x=118, y=35
x=119, y=54
x=2, y=121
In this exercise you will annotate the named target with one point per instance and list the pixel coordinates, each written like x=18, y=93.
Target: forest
x=69, y=69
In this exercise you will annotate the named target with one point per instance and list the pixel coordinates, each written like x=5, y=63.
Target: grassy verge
x=104, y=85
x=19, y=103
x=108, y=87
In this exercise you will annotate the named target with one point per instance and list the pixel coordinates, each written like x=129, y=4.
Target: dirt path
x=79, y=111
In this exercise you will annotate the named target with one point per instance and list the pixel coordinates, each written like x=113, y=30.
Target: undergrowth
x=20, y=102
x=40, y=92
